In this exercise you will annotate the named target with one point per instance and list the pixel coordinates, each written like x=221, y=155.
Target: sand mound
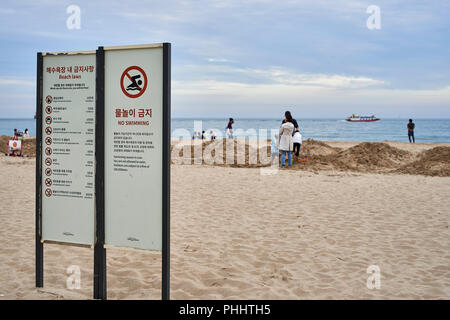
x=377, y=157
x=373, y=155
x=215, y=153
x=313, y=147
x=433, y=162
x=29, y=146
x=364, y=157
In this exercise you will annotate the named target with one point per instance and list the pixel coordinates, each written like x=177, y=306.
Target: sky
x=251, y=58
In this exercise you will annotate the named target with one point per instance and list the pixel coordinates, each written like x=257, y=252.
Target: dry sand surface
x=238, y=234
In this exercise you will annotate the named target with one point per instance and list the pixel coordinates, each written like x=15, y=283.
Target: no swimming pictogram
x=133, y=82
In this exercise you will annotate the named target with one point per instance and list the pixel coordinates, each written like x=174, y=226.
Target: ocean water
x=427, y=130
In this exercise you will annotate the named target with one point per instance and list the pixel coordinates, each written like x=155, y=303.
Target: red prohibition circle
x=49, y=109
x=48, y=141
x=48, y=192
x=48, y=162
x=125, y=73
x=48, y=172
x=48, y=120
x=48, y=182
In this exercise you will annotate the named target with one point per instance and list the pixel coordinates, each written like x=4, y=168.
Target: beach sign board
x=103, y=154
x=68, y=148
x=133, y=139
x=15, y=145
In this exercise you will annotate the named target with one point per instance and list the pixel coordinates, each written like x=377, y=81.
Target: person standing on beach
x=297, y=139
x=286, y=142
x=274, y=148
x=294, y=122
x=411, y=126
x=230, y=128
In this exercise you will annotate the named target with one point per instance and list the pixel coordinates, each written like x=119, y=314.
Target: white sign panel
x=68, y=124
x=133, y=147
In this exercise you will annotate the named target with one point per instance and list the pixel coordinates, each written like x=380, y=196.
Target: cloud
x=7, y=11
x=16, y=82
x=282, y=76
x=211, y=98
x=277, y=75
x=218, y=60
x=158, y=16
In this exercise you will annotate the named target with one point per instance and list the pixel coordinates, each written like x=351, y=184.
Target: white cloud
x=278, y=75
x=158, y=16
x=218, y=60
x=16, y=82
x=210, y=97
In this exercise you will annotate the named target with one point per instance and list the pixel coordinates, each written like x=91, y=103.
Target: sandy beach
x=306, y=233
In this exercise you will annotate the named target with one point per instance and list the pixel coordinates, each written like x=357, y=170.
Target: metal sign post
x=38, y=226
x=166, y=173
x=99, y=249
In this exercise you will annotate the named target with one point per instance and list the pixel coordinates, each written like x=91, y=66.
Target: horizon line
x=271, y=118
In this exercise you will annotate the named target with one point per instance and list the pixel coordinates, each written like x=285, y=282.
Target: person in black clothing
x=411, y=126
x=294, y=122
x=229, y=128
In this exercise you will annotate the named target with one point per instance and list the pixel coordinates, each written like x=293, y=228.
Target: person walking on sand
x=286, y=142
x=230, y=128
x=411, y=126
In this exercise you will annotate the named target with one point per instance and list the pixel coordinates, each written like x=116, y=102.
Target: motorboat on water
x=355, y=118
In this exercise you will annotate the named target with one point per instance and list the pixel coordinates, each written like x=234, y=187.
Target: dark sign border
x=38, y=206
x=100, y=287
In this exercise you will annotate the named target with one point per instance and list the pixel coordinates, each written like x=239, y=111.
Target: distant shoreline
x=174, y=141
x=271, y=118
x=332, y=129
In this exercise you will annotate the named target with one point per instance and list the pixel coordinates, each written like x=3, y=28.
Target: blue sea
x=427, y=130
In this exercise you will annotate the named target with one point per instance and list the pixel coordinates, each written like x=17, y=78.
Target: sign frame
x=100, y=274
x=38, y=205
x=40, y=113
x=100, y=288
